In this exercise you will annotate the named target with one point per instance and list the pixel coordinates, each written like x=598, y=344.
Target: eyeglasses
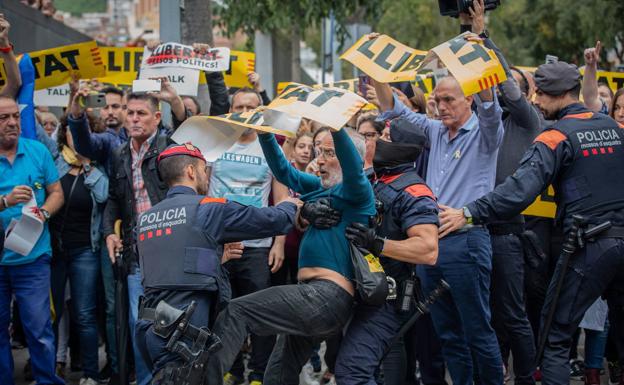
x=370, y=135
x=327, y=153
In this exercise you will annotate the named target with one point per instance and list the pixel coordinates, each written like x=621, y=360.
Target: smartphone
x=551, y=59
x=94, y=100
x=364, y=80
x=145, y=85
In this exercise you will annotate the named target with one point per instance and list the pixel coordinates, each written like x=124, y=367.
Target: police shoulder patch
x=551, y=138
x=420, y=190
x=212, y=200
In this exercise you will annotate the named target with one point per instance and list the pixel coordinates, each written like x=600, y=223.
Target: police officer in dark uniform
x=582, y=156
x=407, y=234
x=180, y=241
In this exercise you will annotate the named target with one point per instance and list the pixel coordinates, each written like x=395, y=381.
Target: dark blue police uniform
x=179, y=244
x=582, y=156
x=407, y=202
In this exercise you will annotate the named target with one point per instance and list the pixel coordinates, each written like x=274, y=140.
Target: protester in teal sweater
x=353, y=196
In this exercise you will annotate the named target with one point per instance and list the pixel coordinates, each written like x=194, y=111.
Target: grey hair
x=358, y=141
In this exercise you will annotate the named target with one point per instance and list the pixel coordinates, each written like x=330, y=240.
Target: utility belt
x=404, y=293
x=172, y=324
x=506, y=228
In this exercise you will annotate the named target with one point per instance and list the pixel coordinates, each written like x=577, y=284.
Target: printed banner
x=122, y=64
x=184, y=80
x=53, y=97
x=475, y=67
x=544, y=205
x=54, y=66
x=183, y=56
x=312, y=103
x=385, y=59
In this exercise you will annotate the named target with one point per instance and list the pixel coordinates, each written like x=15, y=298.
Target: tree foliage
x=526, y=30
x=79, y=7
x=275, y=15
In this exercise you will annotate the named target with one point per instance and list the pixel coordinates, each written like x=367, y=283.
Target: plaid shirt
x=141, y=199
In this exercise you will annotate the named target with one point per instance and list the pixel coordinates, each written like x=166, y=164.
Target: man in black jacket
x=134, y=188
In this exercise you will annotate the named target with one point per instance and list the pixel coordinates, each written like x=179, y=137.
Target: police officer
x=406, y=235
x=179, y=244
x=582, y=156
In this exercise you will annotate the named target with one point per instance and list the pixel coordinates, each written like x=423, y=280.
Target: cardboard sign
x=475, y=67
x=261, y=119
x=54, y=66
x=183, y=56
x=332, y=107
x=53, y=96
x=544, y=205
x=385, y=59
x=212, y=137
x=241, y=63
x=184, y=80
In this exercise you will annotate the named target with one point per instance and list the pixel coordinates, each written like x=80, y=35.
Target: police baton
x=422, y=308
x=575, y=238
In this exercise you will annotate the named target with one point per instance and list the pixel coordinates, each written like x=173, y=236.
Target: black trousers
x=301, y=315
x=594, y=270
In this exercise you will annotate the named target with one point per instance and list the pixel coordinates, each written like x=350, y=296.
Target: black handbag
x=371, y=285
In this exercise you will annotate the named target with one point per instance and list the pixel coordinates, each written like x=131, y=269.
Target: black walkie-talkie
x=404, y=303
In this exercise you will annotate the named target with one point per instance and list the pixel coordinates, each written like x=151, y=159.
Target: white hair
x=358, y=141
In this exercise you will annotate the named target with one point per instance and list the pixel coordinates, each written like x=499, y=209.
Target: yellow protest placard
x=54, y=66
x=544, y=205
x=314, y=103
x=475, y=67
x=385, y=59
x=122, y=64
x=241, y=63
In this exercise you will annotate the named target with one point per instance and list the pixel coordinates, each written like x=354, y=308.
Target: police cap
x=181, y=149
x=403, y=131
x=557, y=78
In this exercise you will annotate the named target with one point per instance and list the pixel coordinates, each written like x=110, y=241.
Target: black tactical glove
x=365, y=237
x=320, y=214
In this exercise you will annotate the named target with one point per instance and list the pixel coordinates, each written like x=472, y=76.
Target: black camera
x=454, y=7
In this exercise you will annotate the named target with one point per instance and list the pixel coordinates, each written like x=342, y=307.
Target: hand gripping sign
x=179, y=55
x=54, y=66
x=386, y=60
x=332, y=107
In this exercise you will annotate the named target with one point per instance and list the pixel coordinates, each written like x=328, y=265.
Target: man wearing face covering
x=406, y=235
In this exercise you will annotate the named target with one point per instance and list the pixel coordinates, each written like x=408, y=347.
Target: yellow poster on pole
x=54, y=66
x=544, y=205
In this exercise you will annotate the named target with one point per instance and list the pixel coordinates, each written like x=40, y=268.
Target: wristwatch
x=485, y=34
x=467, y=215
x=45, y=213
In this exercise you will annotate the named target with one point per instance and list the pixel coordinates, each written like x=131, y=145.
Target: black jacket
x=121, y=202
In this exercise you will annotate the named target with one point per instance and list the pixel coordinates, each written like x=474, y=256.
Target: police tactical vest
x=594, y=182
x=174, y=252
x=390, y=226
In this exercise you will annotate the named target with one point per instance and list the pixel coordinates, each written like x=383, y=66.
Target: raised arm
x=13, y=80
x=490, y=117
x=354, y=180
x=282, y=170
x=590, y=82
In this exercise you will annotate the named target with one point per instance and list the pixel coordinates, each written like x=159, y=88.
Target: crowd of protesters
x=91, y=167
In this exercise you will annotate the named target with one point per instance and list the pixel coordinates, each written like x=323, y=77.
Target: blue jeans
x=30, y=284
x=135, y=290
x=367, y=337
x=82, y=267
x=595, y=345
x=462, y=319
